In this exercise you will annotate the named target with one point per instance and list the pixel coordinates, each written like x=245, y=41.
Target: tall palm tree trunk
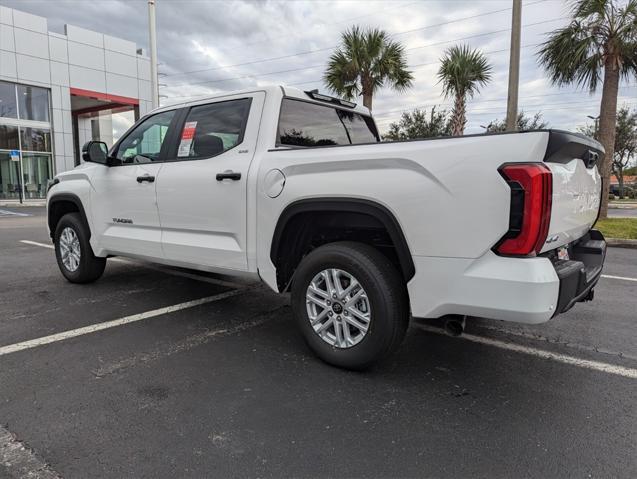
x=607, y=119
x=367, y=101
x=459, y=116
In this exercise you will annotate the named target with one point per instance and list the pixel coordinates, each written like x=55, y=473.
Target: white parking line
x=35, y=243
x=541, y=353
x=12, y=213
x=623, y=278
x=73, y=333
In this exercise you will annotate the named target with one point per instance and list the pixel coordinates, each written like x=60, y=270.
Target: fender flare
x=353, y=205
x=70, y=197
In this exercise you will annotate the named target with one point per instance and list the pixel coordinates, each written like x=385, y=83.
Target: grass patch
x=624, y=228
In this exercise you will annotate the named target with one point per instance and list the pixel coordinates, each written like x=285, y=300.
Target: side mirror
x=95, y=152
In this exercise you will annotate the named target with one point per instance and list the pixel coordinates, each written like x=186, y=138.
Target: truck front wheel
x=350, y=303
x=73, y=251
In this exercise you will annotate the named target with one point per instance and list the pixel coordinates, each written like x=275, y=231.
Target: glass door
x=10, y=185
x=36, y=173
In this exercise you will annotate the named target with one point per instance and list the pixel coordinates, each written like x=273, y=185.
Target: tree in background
x=625, y=148
x=625, y=144
x=601, y=39
x=417, y=124
x=462, y=72
x=365, y=62
x=524, y=123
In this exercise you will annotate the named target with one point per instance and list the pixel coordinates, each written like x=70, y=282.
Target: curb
x=9, y=204
x=621, y=243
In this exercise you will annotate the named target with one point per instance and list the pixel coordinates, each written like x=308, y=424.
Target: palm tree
x=365, y=62
x=600, y=39
x=462, y=72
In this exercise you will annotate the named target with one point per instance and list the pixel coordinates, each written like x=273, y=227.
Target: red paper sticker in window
x=187, y=136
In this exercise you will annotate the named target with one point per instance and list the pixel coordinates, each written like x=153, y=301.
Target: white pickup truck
x=296, y=189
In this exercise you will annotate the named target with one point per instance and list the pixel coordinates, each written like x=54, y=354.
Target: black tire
x=386, y=293
x=90, y=267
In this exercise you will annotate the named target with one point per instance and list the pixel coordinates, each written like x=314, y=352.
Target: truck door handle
x=228, y=175
x=148, y=178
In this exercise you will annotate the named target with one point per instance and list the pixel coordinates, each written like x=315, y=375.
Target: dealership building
x=58, y=91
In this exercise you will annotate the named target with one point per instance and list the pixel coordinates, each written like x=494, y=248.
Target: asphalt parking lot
x=157, y=372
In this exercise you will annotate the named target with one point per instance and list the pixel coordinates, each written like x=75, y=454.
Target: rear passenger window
x=309, y=124
x=361, y=128
x=211, y=129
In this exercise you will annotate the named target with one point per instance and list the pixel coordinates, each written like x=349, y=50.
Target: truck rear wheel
x=350, y=303
x=73, y=251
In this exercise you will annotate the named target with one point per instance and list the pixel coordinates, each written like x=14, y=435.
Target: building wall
x=84, y=59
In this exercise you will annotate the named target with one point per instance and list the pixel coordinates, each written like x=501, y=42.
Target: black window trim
x=171, y=154
x=278, y=144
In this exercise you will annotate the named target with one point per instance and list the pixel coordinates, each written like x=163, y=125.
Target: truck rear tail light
x=531, y=192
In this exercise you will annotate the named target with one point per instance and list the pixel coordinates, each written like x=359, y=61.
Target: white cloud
x=229, y=40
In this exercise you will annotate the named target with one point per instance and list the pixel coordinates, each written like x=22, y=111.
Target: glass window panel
x=361, y=128
x=211, y=129
x=36, y=173
x=307, y=124
x=9, y=137
x=36, y=139
x=9, y=177
x=33, y=103
x=8, y=108
x=143, y=144
x=122, y=121
x=95, y=129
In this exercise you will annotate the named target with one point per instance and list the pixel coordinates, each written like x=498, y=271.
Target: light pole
x=514, y=66
x=153, y=53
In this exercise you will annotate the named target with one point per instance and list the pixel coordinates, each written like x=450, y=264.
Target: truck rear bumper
x=579, y=275
x=524, y=290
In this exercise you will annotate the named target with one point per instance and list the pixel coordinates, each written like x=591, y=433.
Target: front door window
x=144, y=143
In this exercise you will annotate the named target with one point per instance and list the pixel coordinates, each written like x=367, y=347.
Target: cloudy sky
x=211, y=46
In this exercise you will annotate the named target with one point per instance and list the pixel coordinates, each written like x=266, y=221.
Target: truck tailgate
x=574, y=161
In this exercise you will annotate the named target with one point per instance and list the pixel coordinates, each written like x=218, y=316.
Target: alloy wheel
x=70, y=249
x=338, y=308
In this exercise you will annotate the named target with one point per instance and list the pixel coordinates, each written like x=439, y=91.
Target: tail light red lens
x=531, y=193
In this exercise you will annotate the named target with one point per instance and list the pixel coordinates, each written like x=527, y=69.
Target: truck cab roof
x=280, y=91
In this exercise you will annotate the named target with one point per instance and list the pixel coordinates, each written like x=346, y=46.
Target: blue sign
x=15, y=155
